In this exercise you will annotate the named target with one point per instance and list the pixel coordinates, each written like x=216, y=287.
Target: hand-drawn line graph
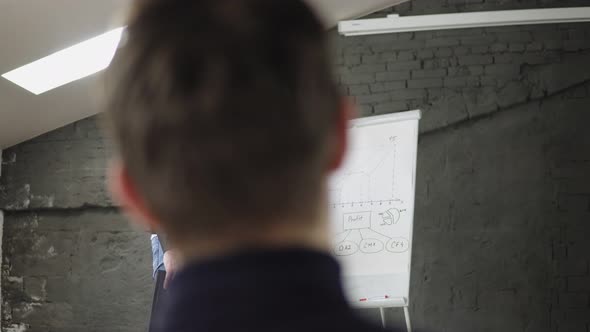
x=358, y=234
x=367, y=177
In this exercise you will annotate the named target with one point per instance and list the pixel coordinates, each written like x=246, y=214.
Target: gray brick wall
x=71, y=262
x=503, y=191
x=1, y=237
x=478, y=71
x=75, y=271
x=502, y=202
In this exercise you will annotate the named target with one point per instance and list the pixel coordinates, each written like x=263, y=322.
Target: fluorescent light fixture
x=68, y=65
x=395, y=23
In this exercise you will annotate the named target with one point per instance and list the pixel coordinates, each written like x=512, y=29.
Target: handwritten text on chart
x=357, y=220
x=371, y=246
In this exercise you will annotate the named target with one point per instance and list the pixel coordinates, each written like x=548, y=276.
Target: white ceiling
x=31, y=29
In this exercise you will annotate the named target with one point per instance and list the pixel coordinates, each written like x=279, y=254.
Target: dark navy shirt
x=292, y=290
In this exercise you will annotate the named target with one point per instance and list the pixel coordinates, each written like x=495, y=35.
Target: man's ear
x=345, y=114
x=126, y=194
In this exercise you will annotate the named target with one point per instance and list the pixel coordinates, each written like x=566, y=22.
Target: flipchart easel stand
x=386, y=288
x=382, y=304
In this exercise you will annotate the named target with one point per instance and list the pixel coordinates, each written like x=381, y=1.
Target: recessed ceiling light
x=67, y=65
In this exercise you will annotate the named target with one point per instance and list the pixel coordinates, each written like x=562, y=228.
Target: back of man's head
x=224, y=112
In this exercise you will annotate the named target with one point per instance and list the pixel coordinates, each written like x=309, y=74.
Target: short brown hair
x=223, y=110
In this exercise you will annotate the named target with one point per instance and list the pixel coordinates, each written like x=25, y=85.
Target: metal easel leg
x=382, y=311
x=408, y=322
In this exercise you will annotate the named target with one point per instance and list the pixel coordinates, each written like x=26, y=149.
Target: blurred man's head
x=226, y=117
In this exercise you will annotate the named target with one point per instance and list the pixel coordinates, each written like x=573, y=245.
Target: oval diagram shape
x=398, y=245
x=345, y=248
x=371, y=246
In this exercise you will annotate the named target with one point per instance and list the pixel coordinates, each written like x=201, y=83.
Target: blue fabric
x=157, y=255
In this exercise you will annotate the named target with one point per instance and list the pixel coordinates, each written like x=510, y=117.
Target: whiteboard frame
x=387, y=118
x=395, y=302
x=397, y=24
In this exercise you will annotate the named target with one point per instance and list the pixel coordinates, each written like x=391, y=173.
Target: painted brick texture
x=503, y=174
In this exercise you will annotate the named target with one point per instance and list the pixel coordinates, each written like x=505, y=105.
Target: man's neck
x=284, y=235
